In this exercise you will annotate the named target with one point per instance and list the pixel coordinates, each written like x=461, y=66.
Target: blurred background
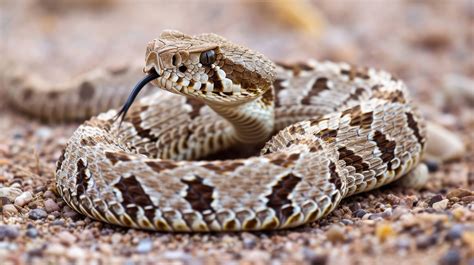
x=417, y=40
x=428, y=44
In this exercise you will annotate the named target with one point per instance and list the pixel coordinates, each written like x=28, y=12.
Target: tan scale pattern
x=329, y=130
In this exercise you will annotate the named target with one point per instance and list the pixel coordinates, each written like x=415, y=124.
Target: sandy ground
x=428, y=44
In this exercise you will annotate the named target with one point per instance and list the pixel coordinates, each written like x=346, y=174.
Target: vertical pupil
x=207, y=58
x=174, y=59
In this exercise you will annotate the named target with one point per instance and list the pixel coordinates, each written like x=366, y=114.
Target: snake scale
x=326, y=131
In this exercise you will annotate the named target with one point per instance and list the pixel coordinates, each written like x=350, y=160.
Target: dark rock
x=360, y=213
x=435, y=199
x=424, y=241
x=58, y=222
x=455, y=232
x=37, y=214
x=32, y=232
x=4, y=201
x=347, y=222
x=8, y=232
x=452, y=257
x=313, y=258
x=432, y=165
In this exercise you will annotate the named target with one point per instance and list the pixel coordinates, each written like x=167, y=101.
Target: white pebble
x=441, y=205
x=23, y=199
x=10, y=193
x=442, y=144
x=9, y=210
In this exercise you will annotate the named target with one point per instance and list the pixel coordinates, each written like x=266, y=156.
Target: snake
x=224, y=139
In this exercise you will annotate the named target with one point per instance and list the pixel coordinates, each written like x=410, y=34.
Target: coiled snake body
x=338, y=130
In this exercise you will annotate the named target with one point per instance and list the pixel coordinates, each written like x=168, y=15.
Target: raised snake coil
x=340, y=130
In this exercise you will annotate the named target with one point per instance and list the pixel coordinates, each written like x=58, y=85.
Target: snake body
x=328, y=131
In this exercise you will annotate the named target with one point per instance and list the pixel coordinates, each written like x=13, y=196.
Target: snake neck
x=253, y=121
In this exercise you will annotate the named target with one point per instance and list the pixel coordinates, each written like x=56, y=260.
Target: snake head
x=208, y=67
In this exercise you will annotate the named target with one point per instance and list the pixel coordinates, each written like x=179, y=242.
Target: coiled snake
x=337, y=130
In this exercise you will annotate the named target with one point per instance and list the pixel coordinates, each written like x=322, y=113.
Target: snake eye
x=207, y=57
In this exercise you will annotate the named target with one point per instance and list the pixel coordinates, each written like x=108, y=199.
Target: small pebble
x=10, y=193
x=70, y=213
x=335, y=234
x=58, y=222
x=441, y=205
x=313, y=258
x=452, y=257
x=37, y=214
x=347, y=222
x=436, y=198
x=384, y=231
x=360, y=213
x=425, y=241
x=66, y=238
x=50, y=206
x=403, y=243
x=468, y=199
x=75, y=252
x=8, y=232
x=455, y=232
x=249, y=243
x=458, y=193
x=31, y=232
x=23, y=199
x=43, y=132
x=49, y=195
x=375, y=216
x=4, y=201
x=144, y=246
x=9, y=210
x=442, y=144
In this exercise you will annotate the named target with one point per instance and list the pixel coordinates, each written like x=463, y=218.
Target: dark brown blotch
x=81, y=178
x=412, y=124
x=392, y=96
x=223, y=168
x=86, y=90
x=115, y=157
x=196, y=106
x=198, y=194
x=334, y=177
x=327, y=135
x=358, y=118
x=280, y=192
x=296, y=128
x=352, y=159
x=159, y=166
x=134, y=196
x=318, y=86
x=386, y=147
x=353, y=72
x=267, y=97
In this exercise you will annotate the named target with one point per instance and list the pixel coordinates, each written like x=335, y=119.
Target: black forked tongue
x=136, y=90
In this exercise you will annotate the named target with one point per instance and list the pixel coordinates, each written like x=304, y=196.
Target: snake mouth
x=151, y=75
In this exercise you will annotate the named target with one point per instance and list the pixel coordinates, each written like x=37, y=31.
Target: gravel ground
x=430, y=45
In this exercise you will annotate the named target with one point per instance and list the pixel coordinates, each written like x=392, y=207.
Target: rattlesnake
x=326, y=131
